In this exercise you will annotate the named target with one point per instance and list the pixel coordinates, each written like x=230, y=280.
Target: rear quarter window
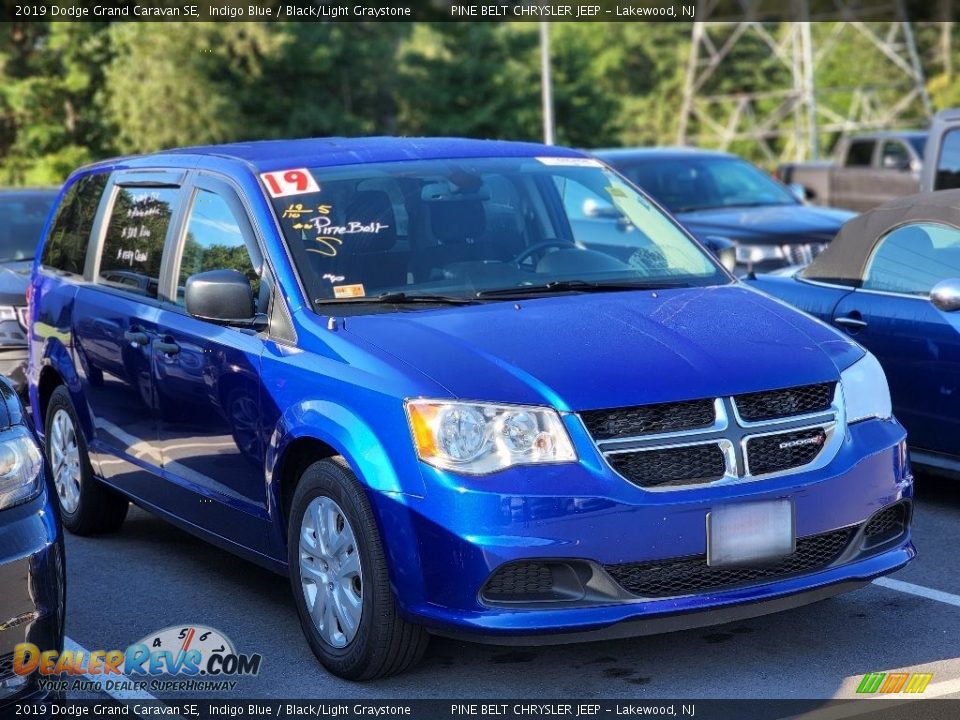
x=66, y=246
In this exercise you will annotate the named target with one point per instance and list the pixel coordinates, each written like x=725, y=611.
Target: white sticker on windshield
x=571, y=161
x=289, y=182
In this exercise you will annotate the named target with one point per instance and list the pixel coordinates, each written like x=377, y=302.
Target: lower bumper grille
x=691, y=575
x=887, y=524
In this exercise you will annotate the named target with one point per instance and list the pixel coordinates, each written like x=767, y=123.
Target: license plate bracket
x=755, y=533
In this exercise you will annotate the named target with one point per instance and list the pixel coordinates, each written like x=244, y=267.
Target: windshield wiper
x=399, y=298
x=560, y=286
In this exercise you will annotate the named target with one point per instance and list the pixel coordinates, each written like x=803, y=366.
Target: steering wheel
x=539, y=247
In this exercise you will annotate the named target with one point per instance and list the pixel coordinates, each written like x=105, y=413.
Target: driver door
x=917, y=344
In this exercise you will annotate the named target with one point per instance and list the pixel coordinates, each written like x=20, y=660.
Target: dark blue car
x=22, y=216
x=32, y=584
x=891, y=280
x=721, y=198
x=398, y=372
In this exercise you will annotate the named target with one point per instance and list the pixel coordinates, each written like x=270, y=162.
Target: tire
x=87, y=506
x=381, y=642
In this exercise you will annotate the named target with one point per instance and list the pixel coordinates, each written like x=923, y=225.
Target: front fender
x=390, y=474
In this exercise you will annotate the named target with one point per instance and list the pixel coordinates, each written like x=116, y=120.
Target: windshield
x=22, y=215
x=707, y=183
x=481, y=228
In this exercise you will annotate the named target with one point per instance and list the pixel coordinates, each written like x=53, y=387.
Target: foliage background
x=73, y=92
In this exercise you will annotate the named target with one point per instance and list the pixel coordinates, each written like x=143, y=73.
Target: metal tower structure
x=786, y=121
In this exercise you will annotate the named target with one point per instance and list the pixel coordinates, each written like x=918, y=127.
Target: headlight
x=479, y=438
x=8, y=312
x=20, y=463
x=747, y=254
x=865, y=390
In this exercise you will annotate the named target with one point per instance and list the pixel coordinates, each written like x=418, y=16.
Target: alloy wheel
x=65, y=460
x=330, y=571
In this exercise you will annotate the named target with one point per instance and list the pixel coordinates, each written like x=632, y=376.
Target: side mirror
x=724, y=249
x=594, y=209
x=798, y=191
x=895, y=162
x=946, y=295
x=221, y=296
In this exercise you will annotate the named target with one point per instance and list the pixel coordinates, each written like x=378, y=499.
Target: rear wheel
x=87, y=506
x=339, y=578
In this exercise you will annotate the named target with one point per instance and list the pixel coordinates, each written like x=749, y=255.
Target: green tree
x=51, y=80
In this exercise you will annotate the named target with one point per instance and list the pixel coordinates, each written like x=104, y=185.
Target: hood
x=580, y=352
x=14, y=278
x=776, y=224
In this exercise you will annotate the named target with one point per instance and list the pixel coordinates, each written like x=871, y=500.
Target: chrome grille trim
x=731, y=434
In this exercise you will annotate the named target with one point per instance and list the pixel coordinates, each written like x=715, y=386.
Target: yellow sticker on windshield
x=349, y=291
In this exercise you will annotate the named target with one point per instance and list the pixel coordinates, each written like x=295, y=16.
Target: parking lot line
x=918, y=590
x=74, y=647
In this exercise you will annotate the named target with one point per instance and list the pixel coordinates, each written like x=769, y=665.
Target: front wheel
x=338, y=574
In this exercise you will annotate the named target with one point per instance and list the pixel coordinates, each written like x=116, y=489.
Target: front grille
x=801, y=253
x=775, y=453
x=888, y=523
x=6, y=666
x=520, y=580
x=755, y=407
x=649, y=419
x=691, y=575
x=688, y=465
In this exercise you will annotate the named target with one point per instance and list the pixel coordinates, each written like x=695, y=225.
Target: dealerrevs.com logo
x=201, y=657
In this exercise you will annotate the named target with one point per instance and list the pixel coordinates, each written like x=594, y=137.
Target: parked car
x=390, y=370
x=32, y=584
x=941, y=165
x=22, y=215
x=891, y=280
x=867, y=170
x=721, y=198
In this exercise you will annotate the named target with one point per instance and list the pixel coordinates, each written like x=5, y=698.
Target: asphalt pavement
x=151, y=575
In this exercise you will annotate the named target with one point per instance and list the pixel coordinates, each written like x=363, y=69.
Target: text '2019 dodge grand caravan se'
x=400, y=372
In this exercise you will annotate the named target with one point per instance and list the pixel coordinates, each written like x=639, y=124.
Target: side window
x=894, y=156
x=66, y=246
x=948, y=165
x=138, y=226
x=215, y=242
x=860, y=153
x=914, y=258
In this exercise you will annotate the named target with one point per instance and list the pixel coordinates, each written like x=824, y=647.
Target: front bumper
x=465, y=529
x=32, y=582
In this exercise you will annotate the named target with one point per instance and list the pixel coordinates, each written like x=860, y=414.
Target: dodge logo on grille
x=818, y=440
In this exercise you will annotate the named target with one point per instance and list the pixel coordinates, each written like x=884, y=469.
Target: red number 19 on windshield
x=289, y=182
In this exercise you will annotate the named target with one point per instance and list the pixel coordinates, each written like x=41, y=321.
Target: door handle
x=167, y=348
x=136, y=338
x=850, y=322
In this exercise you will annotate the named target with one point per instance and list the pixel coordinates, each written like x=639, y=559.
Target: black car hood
x=774, y=224
x=14, y=278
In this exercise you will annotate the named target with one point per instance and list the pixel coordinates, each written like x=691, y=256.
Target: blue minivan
x=395, y=371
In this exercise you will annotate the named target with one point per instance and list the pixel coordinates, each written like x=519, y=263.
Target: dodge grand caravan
x=399, y=372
